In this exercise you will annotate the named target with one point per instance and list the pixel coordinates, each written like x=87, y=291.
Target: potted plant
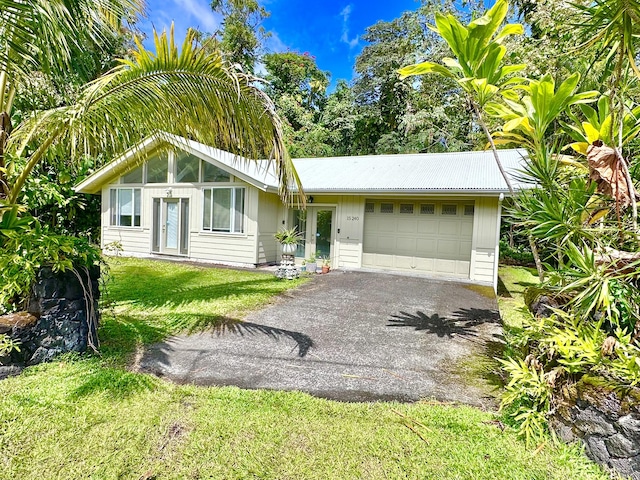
x=326, y=265
x=289, y=239
x=311, y=264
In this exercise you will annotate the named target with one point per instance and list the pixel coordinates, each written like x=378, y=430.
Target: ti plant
x=477, y=66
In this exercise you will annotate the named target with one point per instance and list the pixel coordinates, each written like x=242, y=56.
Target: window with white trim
x=223, y=209
x=125, y=205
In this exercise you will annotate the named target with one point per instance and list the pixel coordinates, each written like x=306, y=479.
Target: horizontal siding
x=135, y=241
x=350, y=254
x=223, y=248
x=484, y=265
x=208, y=247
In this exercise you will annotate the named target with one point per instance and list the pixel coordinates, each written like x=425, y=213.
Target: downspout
x=496, y=254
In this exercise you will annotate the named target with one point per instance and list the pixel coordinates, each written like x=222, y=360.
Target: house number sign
x=352, y=219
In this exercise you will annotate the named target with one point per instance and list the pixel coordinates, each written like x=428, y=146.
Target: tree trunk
x=536, y=258
x=493, y=147
x=5, y=130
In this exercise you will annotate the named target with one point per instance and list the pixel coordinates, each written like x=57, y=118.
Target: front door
x=322, y=231
x=317, y=226
x=170, y=225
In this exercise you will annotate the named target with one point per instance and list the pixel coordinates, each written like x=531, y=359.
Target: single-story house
x=437, y=214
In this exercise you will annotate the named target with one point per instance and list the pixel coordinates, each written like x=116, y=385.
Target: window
x=223, y=210
x=211, y=173
x=125, y=207
x=134, y=176
x=369, y=207
x=449, y=209
x=187, y=166
x=386, y=208
x=406, y=208
x=427, y=209
x=158, y=169
x=468, y=210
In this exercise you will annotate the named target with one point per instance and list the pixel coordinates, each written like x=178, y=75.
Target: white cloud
x=274, y=44
x=344, y=38
x=201, y=11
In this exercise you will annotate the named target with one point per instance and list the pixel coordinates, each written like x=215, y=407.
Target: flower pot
x=311, y=267
x=289, y=248
x=326, y=268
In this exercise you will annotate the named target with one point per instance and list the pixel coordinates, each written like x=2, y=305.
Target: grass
x=90, y=417
x=148, y=301
x=512, y=283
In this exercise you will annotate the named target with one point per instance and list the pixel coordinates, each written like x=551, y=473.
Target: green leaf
x=424, y=68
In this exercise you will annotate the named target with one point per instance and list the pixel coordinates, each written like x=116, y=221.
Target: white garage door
x=420, y=236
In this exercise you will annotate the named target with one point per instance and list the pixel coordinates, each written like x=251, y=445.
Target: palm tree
x=187, y=91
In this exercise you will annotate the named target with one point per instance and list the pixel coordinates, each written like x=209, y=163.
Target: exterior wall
x=349, y=230
x=350, y=225
x=265, y=214
x=268, y=220
x=484, y=250
x=225, y=248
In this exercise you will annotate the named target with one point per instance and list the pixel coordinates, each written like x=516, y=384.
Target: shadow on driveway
x=342, y=337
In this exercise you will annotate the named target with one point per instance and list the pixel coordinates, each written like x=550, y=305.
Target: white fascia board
x=184, y=145
x=407, y=193
x=93, y=184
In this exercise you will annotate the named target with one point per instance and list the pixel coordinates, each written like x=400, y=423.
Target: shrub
x=548, y=352
x=25, y=247
x=516, y=255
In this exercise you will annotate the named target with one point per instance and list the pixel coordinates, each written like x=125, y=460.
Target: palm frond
x=188, y=92
x=43, y=34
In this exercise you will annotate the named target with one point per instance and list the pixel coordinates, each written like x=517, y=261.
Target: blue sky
x=330, y=30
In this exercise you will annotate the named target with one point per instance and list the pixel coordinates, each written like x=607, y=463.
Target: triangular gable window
x=211, y=173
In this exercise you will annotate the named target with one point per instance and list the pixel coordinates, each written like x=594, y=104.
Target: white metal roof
x=421, y=172
x=456, y=172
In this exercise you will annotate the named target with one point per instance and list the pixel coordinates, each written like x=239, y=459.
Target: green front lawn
x=90, y=417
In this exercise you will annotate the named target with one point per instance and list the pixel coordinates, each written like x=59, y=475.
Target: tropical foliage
x=575, y=211
x=187, y=90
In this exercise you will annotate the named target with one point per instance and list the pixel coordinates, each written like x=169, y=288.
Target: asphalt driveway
x=350, y=336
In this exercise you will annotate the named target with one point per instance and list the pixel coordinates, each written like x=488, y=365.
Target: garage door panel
x=448, y=248
x=427, y=226
x=420, y=242
x=449, y=227
x=386, y=243
x=406, y=245
x=465, y=248
x=407, y=225
x=424, y=264
x=385, y=261
x=387, y=225
x=445, y=266
x=403, y=263
x=466, y=229
x=426, y=247
x=463, y=268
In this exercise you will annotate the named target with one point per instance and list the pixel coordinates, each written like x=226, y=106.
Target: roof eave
x=94, y=182
x=408, y=192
